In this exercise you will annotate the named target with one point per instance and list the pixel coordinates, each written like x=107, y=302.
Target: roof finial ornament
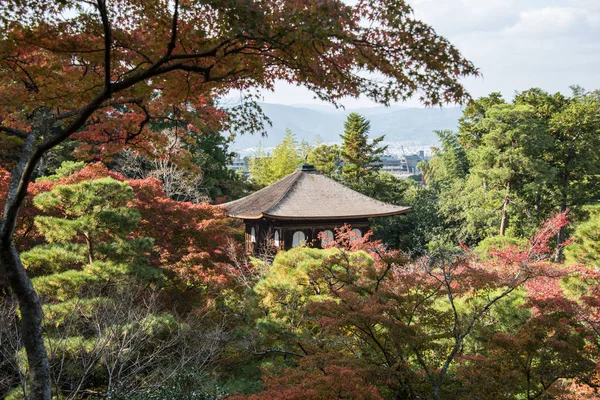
x=307, y=167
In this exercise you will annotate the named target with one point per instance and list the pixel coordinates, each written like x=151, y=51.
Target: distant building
x=401, y=166
x=239, y=164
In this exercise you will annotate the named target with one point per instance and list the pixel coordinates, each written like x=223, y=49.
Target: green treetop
x=286, y=157
x=361, y=157
x=86, y=221
x=327, y=159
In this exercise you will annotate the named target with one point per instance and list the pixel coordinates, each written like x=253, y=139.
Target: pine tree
x=361, y=157
x=85, y=222
x=326, y=159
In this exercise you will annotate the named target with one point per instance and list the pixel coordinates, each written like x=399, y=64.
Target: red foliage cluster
x=315, y=378
x=189, y=238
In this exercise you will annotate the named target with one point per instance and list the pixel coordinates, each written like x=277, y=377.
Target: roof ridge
x=258, y=192
x=374, y=200
x=298, y=172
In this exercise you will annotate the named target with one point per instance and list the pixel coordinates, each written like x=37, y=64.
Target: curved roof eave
x=320, y=218
x=335, y=218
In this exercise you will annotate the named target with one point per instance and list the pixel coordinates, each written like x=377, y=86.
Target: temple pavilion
x=294, y=210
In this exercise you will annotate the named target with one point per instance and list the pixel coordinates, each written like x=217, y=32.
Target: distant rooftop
x=307, y=195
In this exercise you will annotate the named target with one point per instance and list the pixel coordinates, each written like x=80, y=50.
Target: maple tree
x=435, y=328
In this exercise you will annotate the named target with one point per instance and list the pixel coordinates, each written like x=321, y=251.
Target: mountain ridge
x=398, y=124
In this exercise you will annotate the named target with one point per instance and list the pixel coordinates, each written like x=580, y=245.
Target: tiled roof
x=306, y=194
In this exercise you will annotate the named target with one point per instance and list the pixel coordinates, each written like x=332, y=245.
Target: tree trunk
x=560, y=237
x=30, y=323
x=90, y=247
x=504, y=220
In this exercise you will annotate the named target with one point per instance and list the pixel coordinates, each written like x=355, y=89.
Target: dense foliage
x=146, y=296
x=282, y=161
x=118, y=281
x=101, y=72
x=507, y=168
x=363, y=322
x=124, y=273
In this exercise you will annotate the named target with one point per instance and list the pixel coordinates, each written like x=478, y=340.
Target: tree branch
x=173, y=40
x=274, y=351
x=107, y=43
x=14, y=132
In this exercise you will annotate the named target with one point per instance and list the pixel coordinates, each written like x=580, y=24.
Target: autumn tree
x=415, y=330
x=101, y=70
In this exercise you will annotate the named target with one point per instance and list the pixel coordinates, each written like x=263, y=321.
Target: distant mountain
x=398, y=124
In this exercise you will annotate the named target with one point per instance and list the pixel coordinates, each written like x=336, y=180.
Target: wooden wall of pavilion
x=265, y=232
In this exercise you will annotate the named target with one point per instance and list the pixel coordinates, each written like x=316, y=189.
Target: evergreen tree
x=327, y=159
x=470, y=131
x=362, y=159
x=85, y=222
x=585, y=248
x=286, y=157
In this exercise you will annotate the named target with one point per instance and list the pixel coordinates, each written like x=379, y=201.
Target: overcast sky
x=551, y=44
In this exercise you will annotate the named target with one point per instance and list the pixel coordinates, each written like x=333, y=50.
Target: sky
x=551, y=44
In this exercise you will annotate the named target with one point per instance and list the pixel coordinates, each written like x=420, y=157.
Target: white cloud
x=554, y=21
x=586, y=4
x=457, y=16
x=550, y=44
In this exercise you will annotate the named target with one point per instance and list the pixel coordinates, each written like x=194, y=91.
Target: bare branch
x=273, y=351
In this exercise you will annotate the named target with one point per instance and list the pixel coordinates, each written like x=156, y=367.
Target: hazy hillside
x=396, y=123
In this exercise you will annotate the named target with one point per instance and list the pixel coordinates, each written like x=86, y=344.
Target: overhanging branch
x=13, y=132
